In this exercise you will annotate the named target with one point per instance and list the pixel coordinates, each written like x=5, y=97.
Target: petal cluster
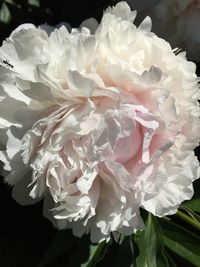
x=98, y=124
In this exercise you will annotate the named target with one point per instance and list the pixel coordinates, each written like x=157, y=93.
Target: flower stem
x=188, y=219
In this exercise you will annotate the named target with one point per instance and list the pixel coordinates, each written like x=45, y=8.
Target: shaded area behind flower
x=16, y=12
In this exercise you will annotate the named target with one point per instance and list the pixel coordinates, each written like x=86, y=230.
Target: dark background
x=51, y=12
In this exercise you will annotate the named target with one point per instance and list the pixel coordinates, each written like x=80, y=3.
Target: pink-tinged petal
x=98, y=123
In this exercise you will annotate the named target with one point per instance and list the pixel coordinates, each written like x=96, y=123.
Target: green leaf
x=191, y=213
x=162, y=260
x=97, y=252
x=170, y=261
x=193, y=204
x=34, y=3
x=63, y=241
x=190, y=218
x=181, y=241
x=5, y=15
x=150, y=243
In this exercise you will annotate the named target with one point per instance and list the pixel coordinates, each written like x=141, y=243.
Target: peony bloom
x=98, y=125
x=176, y=21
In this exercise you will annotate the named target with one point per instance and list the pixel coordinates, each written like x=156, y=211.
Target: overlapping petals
x=99, y=124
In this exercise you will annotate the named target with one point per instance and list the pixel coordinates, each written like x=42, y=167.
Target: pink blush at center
x=127, y=147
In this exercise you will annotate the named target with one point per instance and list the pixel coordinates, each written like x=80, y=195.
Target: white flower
x=177, y=21
x=99, y=124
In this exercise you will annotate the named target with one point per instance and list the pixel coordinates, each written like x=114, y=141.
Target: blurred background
x=27, y=239
x=16, y=12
